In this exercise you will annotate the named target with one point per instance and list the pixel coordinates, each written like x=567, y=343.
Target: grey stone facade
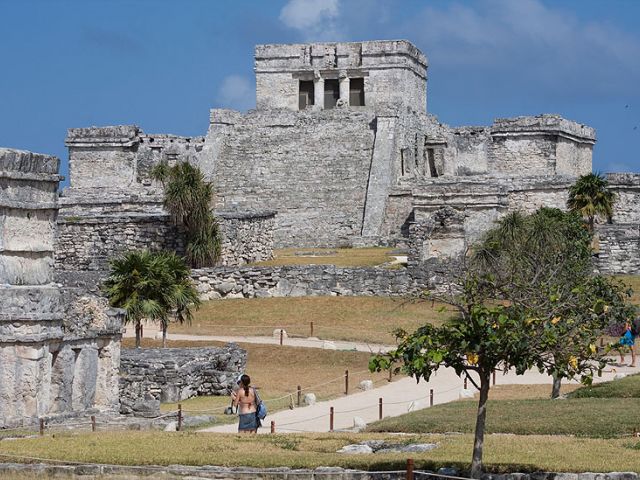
x=102, y=216
x=154, y=375
x=59, y=350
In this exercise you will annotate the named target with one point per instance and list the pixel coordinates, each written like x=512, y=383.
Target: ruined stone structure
x=152, y=375
x=59, y=351
x=341, y=146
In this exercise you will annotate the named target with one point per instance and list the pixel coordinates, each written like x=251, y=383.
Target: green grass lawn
x=340, y=257
x=365, y=319
x=502, y=453
x=584, y=414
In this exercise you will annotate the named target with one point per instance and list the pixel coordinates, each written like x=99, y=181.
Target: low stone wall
x=304, y=280
x=172, y=472
x=152, y=375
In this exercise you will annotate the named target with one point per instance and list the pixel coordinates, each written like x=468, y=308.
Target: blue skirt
x=248, y=421
x=627, y=339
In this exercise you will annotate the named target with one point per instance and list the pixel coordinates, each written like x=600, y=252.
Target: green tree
x=188, y=200
x=526, y=299
x=151, y=286
x=537, y=261
x=590, y=197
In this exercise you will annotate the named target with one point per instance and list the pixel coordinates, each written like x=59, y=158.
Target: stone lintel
x=22, y=161
x=544, y=124
x=98, y=137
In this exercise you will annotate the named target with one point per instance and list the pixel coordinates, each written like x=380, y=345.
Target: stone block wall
x=304, y=280
x=312, y=168
x=174, y=374
x=247, y=238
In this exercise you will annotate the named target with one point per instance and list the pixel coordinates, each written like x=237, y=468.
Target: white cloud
x=236, y=92
x=545, y=42
x=316, y=19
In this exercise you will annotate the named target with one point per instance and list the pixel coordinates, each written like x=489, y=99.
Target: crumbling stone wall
x=58, y=351
x=305, y=280
x=154, y=375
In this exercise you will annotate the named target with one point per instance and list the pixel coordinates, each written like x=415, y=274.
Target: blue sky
x=163, y=64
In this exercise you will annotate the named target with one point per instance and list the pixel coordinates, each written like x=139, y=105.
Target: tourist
x=245, y=399
x=628, y=340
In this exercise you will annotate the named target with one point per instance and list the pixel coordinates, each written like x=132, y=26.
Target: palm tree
x=188, y=199
x=590, y=197
x=151, y=286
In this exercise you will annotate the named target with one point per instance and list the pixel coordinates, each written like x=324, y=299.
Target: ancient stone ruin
x=59, y=351
x=340, y=151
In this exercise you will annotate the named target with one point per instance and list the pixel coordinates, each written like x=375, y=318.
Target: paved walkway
x=399, y=397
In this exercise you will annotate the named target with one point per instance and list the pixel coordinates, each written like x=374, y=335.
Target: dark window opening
x=356, y=92
x=331, y=93
x=306, y=94
x=431, y=160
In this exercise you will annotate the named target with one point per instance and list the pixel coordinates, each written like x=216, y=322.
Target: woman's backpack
x=261, y=408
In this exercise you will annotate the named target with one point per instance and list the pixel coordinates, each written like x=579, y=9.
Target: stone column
x=31, y=314
x=344, y=88
x=318, y=93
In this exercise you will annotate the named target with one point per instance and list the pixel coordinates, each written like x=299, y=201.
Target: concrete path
x=398, y=398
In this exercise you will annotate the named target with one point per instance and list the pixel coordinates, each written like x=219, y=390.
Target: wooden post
x=346, y=382
x=601, y=342
x=299, y=395
x=465, y=383
x=273, y=426
x=41, y=426
x=311, y=330
x=281, y=335
x=494, y=377
x=431, y=397
x=331, y=419
x=380, y=408
x=410, y=466
x=93, y=423
x=179, y=417
x=390, y=373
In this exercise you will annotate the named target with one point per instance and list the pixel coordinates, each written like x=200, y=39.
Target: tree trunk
x=164, y=335
x=478, y=442
x=555, y=390
x=138, y=328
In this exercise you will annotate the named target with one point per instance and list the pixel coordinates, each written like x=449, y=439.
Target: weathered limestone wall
x=382, y=64
x=619, y=242
x=57, y=354
x=310, y=167
x=304, y=280
x=121, y=157
x=174, y=374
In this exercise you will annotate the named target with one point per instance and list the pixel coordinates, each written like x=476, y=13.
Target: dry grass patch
x=340, y=257
x=521, y=392
x=365, y=319
x=502, y=452
x=277, y=371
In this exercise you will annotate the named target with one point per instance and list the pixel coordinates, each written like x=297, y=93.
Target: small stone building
x=59, y=351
